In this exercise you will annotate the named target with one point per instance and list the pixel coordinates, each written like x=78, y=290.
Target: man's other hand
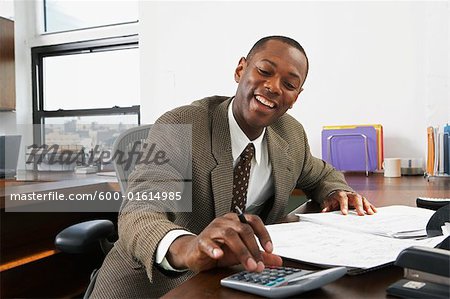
x=225, y=242
x=343, y=200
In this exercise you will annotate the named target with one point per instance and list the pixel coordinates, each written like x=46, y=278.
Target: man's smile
x=264, y=101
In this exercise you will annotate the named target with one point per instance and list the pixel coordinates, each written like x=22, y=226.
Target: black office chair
x=83, y=237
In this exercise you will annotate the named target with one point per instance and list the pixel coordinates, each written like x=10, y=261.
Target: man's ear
x=239, y=69
x=292, y=105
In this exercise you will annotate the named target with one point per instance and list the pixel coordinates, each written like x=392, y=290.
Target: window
x=91, y=82
x=63, y=15
x=91, y=79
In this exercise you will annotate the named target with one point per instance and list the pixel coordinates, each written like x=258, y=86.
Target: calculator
x=277, y=282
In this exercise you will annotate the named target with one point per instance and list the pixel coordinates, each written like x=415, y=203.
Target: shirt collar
x=239, y=140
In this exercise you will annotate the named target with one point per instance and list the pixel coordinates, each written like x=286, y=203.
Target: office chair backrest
x=133, y=137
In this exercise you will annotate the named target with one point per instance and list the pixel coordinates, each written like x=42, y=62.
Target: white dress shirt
x=260, y=187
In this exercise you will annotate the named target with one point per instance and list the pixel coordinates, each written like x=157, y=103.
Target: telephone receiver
x=426, y=270
x=439, y=218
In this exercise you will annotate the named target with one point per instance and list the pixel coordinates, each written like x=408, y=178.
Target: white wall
x=7, y=9
x=370, y=62
x=22, y=56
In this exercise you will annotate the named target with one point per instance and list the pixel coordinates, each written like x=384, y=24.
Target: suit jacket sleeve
x=318, y=178
x=142, y=224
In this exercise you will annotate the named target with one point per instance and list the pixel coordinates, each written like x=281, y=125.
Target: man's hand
x=342, y=200
x=225, y=242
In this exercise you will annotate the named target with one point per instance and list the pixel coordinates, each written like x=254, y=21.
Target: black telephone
x=427, y=270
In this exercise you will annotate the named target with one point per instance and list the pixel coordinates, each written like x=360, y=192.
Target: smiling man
x=247, y=153
x=270, y=81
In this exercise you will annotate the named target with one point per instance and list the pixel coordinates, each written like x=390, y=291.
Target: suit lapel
x=281, y=172
x=221, y=180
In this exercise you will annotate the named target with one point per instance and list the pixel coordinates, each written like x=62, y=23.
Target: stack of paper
x=353, y=147
x=393, y=221
x=360, y=243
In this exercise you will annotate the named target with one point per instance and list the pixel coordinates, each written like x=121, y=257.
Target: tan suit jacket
x=129, y=269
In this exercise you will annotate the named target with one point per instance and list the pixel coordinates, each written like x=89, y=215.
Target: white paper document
x=364, y=242
x=391, y=221
x=329, y=246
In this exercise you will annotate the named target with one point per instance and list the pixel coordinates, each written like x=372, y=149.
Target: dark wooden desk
x=381, y=192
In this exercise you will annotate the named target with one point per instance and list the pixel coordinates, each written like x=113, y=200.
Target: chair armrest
x=81, y=237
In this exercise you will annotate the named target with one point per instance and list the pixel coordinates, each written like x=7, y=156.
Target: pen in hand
x=271, y=259
x=241, y=215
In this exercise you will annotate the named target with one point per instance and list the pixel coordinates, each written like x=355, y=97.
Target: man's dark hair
x=284, y=39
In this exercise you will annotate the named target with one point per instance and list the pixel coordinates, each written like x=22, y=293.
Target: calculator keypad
x=270, y=276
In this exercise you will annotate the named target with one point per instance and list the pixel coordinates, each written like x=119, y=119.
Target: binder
x=446, y=153
x=441, y=155
x=380, y=138
x=447, y=149
x=345, y=149
x=436, y=150
x=431, y=155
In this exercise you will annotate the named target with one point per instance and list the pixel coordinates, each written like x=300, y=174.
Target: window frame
x=42, y=6
x=37, y=57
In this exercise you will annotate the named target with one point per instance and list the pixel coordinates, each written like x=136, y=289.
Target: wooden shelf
x=7, y=73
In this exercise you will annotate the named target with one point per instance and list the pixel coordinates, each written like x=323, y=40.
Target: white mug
x=392, y=167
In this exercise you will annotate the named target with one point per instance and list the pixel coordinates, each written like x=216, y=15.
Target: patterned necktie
x=240, y=178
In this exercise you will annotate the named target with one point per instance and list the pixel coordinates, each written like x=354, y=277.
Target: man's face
x=269, y=84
